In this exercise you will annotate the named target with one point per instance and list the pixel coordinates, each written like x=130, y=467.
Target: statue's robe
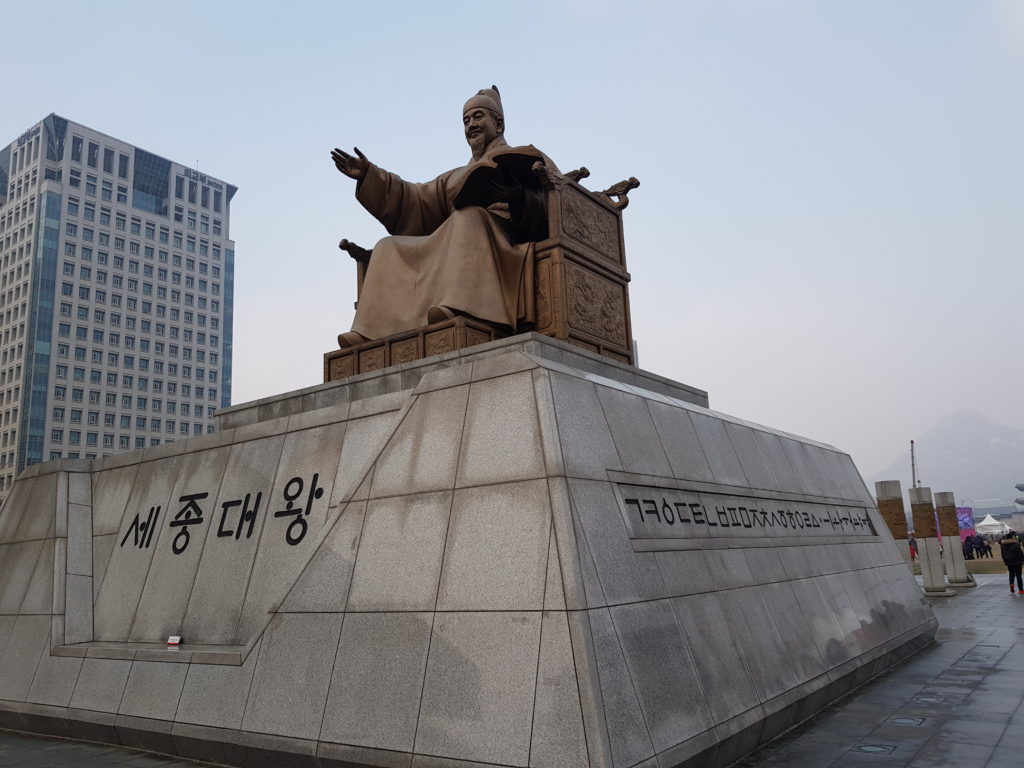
x=471, y=260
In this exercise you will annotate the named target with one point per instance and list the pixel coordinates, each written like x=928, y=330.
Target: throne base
x=407, y=346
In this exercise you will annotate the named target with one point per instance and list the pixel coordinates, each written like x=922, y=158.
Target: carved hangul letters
x=142, y=530
x=190, y=514
x=246, y=515
x=296, y=530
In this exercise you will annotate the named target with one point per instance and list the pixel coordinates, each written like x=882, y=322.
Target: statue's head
x=483, y=119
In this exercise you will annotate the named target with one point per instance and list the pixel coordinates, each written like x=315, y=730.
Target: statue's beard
x=477, y=145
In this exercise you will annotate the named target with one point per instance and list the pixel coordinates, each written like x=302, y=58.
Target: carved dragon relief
x=595, y=305
x=544, y=318
x=590, y=223
x=404, y=351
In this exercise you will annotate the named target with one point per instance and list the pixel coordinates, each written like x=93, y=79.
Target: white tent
x=991, y=525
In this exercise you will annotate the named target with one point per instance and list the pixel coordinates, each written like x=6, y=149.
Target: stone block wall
x=513, y=562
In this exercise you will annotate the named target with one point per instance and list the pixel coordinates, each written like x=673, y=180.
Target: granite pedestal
x=952, y=545
x=933, y=566
x=516, y=555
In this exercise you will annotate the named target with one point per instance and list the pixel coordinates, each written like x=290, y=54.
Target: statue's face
x=481, y=127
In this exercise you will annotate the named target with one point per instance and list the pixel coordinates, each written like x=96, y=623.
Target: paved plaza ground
x=955, y=704
x=19, y=749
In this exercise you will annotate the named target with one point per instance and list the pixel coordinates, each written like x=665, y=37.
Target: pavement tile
x=938, y=754
x=850, y=759
x=23, y=751
x=1012, y=738
x=1002, y=757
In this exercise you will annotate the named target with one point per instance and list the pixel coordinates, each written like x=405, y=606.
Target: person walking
x=1013, y=557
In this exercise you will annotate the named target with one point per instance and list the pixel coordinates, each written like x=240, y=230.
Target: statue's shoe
x=351, y=339
x=439, y=314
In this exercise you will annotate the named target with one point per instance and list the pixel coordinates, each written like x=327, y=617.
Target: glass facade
x=5, y=162
x=151, y=184
x=229, y=323
x=56, y=128
x=40, y=330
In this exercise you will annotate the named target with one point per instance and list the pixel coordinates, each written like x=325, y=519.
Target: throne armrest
x=362, y=259
x=357, y=252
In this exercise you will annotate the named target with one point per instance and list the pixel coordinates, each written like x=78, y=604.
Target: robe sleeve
x=402, y=207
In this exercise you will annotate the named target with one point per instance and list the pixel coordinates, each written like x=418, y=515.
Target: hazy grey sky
x=828, y=235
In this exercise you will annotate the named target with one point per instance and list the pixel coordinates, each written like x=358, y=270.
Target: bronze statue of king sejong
x=459, y=244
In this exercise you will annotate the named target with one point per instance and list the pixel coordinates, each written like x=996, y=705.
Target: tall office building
x=116, y=288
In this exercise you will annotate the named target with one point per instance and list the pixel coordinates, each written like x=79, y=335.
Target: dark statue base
x=435, y=339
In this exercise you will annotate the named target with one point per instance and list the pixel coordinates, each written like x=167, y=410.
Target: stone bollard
x=952, y=546
x=889, y=494
x=928, y=542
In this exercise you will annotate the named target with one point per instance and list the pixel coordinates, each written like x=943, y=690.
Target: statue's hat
x=488, y=98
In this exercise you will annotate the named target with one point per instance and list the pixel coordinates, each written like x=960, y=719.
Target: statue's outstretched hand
x=352, y=166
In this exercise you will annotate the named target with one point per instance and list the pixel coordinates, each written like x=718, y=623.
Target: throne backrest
x=580, y=282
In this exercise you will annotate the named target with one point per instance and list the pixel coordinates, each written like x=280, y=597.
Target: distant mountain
x=967, y=454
